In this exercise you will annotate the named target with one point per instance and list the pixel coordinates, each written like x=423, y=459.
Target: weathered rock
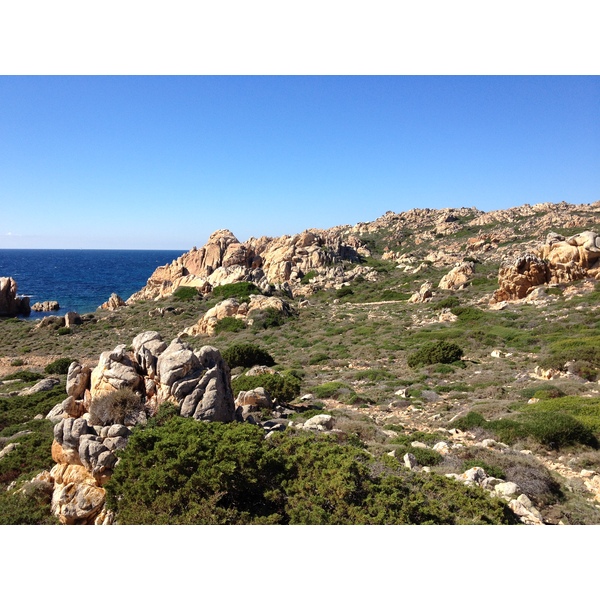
x=78, y=380
x=517, y=278
x=147, y=347
x=507, y=489
x=77, y=499
x=46, y=306
x=73, y=318
x=113, y=303
x=258, y=397
x=523, y=507
x=8, y=449
x=11, y=304
x=319, y=423
x=423, y=295
x=459, y=277
x=41, y=386
x=51, y=322
x=200, y=383
x=410, y=462
x=115, y=370
x=442, y=448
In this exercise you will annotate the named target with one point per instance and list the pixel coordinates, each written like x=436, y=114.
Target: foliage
x=186, y=293
x=269, y=317
x=240, y=290
x=318, y=358
x=29, y=506
x=28, y=376
x=59, y=367
x=246, y=355
x=331, y=389
x=449, y=302
x=229, y=324
x=15, y=410
x=115, y=407
x=490, y=470
x=468, y=313
x=284, y=388
x=343, y=292
x=435, y=352
x=190, y=472
x=307, y=277
x=64, y=331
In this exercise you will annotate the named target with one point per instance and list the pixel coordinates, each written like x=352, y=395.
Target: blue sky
x=161, y=162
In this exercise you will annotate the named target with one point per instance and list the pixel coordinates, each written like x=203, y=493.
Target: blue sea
x=80, y=280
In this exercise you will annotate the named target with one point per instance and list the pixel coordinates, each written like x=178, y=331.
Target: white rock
x=410, y=461
x=320, y=423
x=507, y=489
x=442, y=448
x=418, y=444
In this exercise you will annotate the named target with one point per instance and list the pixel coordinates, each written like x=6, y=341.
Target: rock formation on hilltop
x=12, y=305
x=558, y=260
x=263, y=261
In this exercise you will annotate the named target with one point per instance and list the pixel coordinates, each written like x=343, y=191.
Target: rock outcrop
x=459, y=277
x=12, y=305
x=113, y=303
x=245, y=311
x=106, y=403
x=559, y=260
x=47, y=306
x=263, y=261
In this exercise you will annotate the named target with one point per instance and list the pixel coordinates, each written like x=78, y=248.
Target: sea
x=80, y=280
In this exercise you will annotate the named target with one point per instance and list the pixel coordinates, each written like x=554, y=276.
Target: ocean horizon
x=80, y=280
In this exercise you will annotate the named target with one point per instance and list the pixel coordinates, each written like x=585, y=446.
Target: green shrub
x=283, y=388
x=229, y=324
x=389, y=295
x=343, y=292
x=17, y=362
x=59, y=367
x=490, y=470
x=240, y=290
x=307, y=277
x=269, y=317
x=468, y=313
x=374, y=375
x=186, y=293
x=332, y=389
x=435, y=352
x=29, y=506
x=190, y=472
x=449, y=302
x=28, y=376
x=64, y=331
x=247, y=355
x=318, y=358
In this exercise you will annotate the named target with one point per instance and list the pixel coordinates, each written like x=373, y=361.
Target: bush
x=318, y=358
x=240, y=290
x=468, y=313
x=190, y=472
x=17, y=362
x=247, y=355
x=64, y=331
x=343, y=292
x=307, y=277
x=435, y=352
x=27, y=376
x=331, y=389
x=269, y=317
x=449, y=302
x=490, y=470
x=187, y=293
x=114, y=408
x=59, y=366
x=229, y=324
x=281, y=388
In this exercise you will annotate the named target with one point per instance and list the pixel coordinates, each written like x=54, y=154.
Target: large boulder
x=459, y=277
x=113, y=303
x=78, y=380
x=517, y=278
x=46, y=306
x=115, y=370
x=12, y=305
x=147, y=347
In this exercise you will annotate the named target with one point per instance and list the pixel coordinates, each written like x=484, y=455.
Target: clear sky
x=161, y=162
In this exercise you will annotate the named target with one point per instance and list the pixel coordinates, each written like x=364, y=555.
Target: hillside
x=431, y=366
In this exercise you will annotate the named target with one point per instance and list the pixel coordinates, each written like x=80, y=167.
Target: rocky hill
x=431, y=366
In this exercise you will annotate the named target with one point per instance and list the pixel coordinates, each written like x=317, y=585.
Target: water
x=80, y=280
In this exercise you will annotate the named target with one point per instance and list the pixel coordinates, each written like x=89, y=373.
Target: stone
x=507, y=489
x=410, y=462
x=258, y=397
x=73, y=318
x=423, y=295
x=459, y=277
x=78, y=380
x=319, y=423
x=417, y=444
x=12, y=305
x=115, y=371
x=518, y=277
x=442, y=448
x=43, y=385
x=8, y=449
x=147, y=347
x=113, y=303
x=46, y=306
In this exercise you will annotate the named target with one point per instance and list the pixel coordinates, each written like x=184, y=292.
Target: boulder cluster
x=559, y=260
x=264, y=261
x=104, y=403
